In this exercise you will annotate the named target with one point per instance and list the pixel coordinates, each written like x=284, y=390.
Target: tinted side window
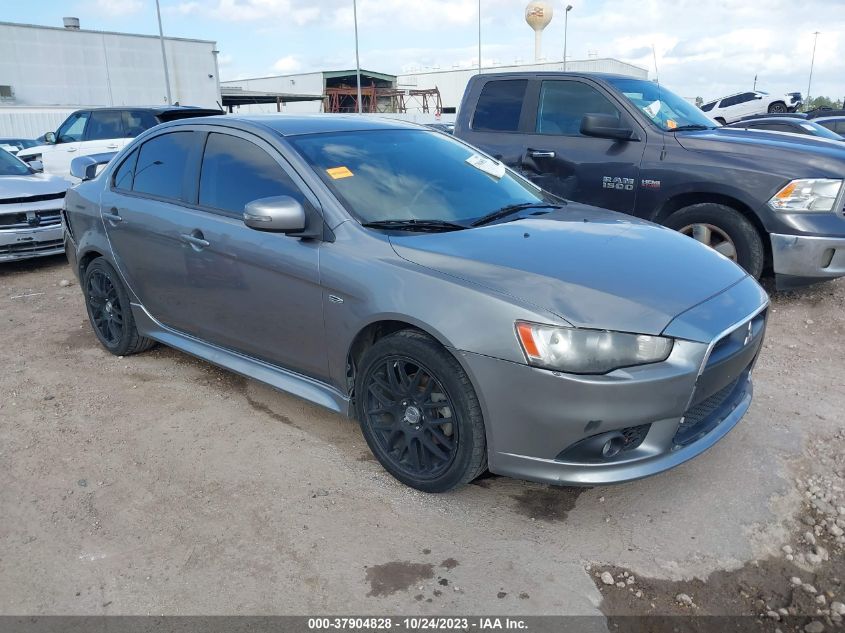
x=235, y=171
x=744, y=97
x=72, y=128
x=161, y=165
x=708, y=106
x=564, y=103
x=104, y=124
x=125, y=173
x=136, y=121
x=500, y=105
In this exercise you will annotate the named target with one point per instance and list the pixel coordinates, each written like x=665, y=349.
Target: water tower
x=538, y=14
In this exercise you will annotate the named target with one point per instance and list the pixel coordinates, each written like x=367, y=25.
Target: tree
x=822, y=102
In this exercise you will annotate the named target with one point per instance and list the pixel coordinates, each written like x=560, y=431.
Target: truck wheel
x=109, y=311
x=419, y=413
x=723, y=229
x=778, y=107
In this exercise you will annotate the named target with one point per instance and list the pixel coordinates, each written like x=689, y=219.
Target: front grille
x=30, y=220
x=704, y=416
x=28, y=199
x=24, y=248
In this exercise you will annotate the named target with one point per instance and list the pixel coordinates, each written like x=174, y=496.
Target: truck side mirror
x=605, y=126
x=50, y=138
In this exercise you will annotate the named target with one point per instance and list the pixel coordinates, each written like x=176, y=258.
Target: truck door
x=597, y=171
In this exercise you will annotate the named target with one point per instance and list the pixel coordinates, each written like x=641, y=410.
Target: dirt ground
x=159, y=484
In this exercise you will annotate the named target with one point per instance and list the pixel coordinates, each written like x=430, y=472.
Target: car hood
x=794, y=155
x=31, y=185
x=33, y=151
x=593, y=268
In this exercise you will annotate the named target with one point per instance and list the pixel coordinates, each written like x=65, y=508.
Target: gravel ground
x=161, y=484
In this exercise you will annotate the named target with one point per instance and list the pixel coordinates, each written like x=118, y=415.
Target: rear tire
x=724, y=229
x=778, y=107
x=109, y=310
x=419, y=413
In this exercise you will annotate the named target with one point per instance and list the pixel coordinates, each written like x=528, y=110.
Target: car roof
x=555, y=73
x=838, y=117
x=771, y=119
x=155, y=109
x=294, y=124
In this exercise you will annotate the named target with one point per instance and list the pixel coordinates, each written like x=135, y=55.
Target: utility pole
x=812, y=61
x=755, y=83
x=479, y=37
x=565, y=32
x=357, y=61
x=163, y=55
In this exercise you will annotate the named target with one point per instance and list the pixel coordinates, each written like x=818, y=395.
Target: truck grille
x=28, y=199
x=31, y=248
x=30, y=219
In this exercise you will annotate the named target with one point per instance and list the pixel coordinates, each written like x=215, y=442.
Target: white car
x=99, y=131
x=30, y=211
x=742, y=104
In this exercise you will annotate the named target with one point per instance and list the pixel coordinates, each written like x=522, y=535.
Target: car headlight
x=580, y=351
x=807, y=194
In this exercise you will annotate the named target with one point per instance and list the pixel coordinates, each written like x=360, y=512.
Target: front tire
x=778, y=107
x=723, y=229
x=419, y=413
x=110, y=312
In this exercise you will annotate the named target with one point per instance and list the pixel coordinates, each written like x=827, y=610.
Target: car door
x=598, y=171
x=104, y=133
x=57, y=158
x=198, y=268
x=497, y=120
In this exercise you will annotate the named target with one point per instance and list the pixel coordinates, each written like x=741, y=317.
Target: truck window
x=104, y=124
x=500, y=106
x=708, y=106
x=564, y=103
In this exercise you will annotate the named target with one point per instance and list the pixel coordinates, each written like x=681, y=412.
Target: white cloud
x=287, y=64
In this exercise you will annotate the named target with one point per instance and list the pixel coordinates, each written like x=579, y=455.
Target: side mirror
x=89, y=167
x=279, y=213
x=605, y=126
x=50, y=138
x=36, y=165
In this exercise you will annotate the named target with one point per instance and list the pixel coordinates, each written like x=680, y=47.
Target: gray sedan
x=465, y=317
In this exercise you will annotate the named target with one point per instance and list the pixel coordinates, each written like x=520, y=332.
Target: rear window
x=500, y=106
x=161, y=165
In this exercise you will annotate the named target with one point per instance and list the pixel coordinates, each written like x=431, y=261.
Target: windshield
x=406, y=174
x=820, y=130
x=11, y=166
x=665, y=109
x=20, y=143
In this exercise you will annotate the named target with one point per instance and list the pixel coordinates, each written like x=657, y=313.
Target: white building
x=452, y=83
x=47, y=72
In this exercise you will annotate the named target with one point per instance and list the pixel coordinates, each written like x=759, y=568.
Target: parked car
x=734, y=107
x=835, y=124
x=630, y=145
x=101, y=130
x=786, y=125
x=448, y=128
x=816, y=113
x=14, y=145
x=30, y=211
x=467, y=318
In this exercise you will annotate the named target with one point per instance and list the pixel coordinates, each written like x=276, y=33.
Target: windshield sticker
x=339, y=172
x=671, y=124
x=487, y=165
x=652, y=108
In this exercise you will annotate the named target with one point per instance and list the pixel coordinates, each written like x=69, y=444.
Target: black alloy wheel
x=411, y=415
x=106, y=311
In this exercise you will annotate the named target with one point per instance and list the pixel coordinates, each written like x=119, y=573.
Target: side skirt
x=282, y=379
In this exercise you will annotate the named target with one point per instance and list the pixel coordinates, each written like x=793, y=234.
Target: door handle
x=195, y=239
x=541, y=153
x=111, y=146
x=113, y=215
x=71, y=149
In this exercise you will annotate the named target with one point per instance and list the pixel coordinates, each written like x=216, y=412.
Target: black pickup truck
x=633, y=146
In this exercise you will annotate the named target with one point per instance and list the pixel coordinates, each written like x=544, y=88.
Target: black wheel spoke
x=104, y=305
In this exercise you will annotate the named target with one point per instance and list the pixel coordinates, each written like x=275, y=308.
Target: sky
x=706, y=48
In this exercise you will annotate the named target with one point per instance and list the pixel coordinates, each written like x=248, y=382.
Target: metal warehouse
x=46, y=72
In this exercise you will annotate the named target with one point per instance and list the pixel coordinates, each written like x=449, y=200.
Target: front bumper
x=801, y=259
x=16, y=244
x=552, y=427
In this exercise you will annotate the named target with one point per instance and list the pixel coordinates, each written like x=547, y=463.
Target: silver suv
x=467, y=319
